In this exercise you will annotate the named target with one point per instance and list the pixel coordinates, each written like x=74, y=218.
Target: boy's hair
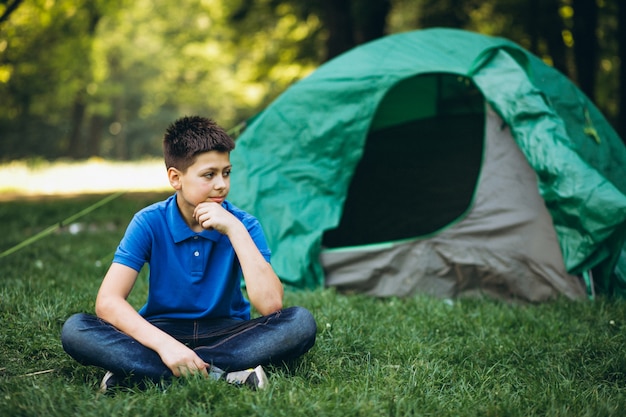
x=190, y=135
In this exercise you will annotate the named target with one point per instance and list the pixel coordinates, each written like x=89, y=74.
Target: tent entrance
x=420, y=163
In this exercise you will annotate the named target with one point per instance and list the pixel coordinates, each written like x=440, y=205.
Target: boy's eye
x=209, y=175
x=227, y=173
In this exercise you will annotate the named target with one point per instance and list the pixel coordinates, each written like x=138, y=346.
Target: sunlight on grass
x=19, y=178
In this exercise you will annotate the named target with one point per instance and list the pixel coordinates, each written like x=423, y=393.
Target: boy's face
x=208, y=179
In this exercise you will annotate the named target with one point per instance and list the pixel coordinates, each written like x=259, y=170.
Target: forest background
x=103, y=78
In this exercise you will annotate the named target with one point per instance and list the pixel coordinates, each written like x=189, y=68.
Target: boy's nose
x=219, y=182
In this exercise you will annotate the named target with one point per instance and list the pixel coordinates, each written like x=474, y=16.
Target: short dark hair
x=190, y=135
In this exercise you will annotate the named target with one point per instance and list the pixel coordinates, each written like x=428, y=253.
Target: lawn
x=416, y=356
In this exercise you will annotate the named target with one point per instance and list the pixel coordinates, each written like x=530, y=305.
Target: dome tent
x=437, y=161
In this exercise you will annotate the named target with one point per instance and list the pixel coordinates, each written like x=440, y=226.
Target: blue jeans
x=228, y=344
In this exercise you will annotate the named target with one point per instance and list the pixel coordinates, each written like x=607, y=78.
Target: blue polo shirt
x=192, y=275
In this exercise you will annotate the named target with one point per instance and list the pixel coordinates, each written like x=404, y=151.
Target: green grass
x=416, y=356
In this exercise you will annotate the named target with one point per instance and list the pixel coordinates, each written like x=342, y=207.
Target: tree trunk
x=95, y=135
x=371, y=18
x=337, y=17
x=9, y=8
x=621, y=115
x=586, y=44
x=120, y=144
x=75, y=144
x=444, y=13
x=552, y=24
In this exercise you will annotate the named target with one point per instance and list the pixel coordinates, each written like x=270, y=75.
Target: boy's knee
x=305, y=322
x=71, y=328
x=74, y=321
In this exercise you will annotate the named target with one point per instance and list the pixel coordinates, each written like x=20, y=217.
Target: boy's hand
x=183, y=361
x=265, y=291
x=212, y=215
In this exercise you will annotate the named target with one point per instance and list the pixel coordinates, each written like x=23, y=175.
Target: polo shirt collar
x=179, y=229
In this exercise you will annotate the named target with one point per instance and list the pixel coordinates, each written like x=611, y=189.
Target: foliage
x=105, y=77
x=44, y=51
x=412, y=356
x=146, y=63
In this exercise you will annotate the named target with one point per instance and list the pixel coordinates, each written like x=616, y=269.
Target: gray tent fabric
x=516, y=254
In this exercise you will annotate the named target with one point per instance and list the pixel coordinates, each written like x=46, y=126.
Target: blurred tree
x=538, y=26
x=282, y=44
x=595, y=49
x=577, y=37
x=9, y=6
x=621, y=56
x=404, y=15
x=586, y=44
x=105, y=77
x=448, y=13
x=45, y=50
x=352, y=22
x=76, y=146
x=344, y=23
x=339, y=25
x=534, y=24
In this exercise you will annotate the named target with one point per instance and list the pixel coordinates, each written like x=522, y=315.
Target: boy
x=196, y=319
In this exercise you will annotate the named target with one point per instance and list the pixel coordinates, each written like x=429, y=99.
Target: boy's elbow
x=100, y=309
x=270, y=306
x=275, y=306
x=103, y=307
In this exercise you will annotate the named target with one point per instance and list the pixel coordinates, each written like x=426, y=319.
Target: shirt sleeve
x=135, y=247
x=258, y=236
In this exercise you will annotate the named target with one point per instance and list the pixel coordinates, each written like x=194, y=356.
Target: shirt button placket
x=196, y=258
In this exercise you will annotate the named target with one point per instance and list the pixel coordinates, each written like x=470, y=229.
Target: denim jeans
x=228, y=344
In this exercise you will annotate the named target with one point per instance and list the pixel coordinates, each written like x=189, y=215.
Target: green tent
x=442, y=162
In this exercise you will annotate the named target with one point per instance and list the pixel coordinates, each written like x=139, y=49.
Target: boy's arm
x=111, y=305
x=265, y=291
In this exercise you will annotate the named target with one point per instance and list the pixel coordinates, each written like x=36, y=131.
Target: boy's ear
x=173, y=175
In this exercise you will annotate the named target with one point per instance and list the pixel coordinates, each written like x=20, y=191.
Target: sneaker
x=253, y=378
x=107, y=382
